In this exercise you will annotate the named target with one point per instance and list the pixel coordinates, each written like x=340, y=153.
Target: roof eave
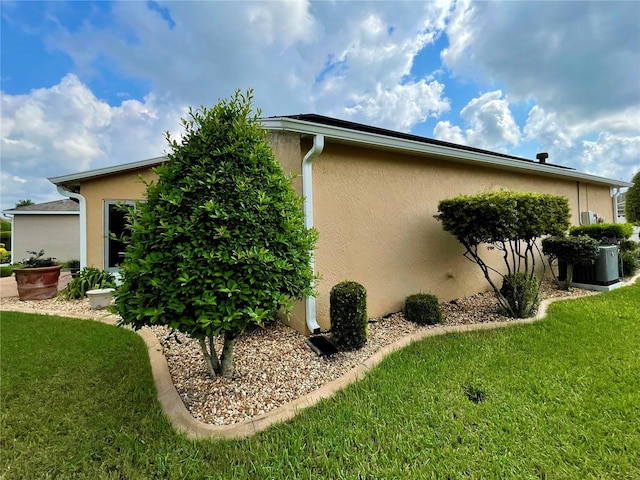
x=75, y=178
x=41, y=212
x=373, y=140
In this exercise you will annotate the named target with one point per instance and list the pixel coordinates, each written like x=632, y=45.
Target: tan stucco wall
x=374, y=211
x=122, y=187
x=58, y=235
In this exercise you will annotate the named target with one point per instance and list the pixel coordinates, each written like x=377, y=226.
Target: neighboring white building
x=53, y=227
x=621, y=203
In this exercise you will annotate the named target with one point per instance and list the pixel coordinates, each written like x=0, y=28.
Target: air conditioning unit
x=603, y=272
x=587, y=218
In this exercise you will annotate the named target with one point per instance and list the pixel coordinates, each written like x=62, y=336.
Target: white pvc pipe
x=615, y=193
x=307, y=192
x=83, y=222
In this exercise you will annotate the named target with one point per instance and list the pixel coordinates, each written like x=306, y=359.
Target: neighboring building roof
x=57, y=207
x=342, y=131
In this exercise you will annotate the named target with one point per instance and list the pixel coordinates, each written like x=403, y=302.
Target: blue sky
x=92, y=84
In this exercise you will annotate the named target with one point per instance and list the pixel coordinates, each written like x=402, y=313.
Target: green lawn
x=561, y=400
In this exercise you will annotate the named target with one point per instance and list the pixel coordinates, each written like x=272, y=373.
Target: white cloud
x=331, y=58
x=611, y=155
x=547, y=130
x=400, y=107
x=489, y=121
x=66, y=129
x=281, y=23
x=444, y=130
x=579, y=60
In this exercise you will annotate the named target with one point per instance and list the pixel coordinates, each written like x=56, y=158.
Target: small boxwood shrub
x=423, y=309
x=521, y=291
x=348, y=314
x=605, y=233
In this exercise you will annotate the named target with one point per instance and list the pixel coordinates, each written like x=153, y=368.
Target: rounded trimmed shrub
x=604, y=233
x=423, y=309
x=521, y=292
x=348, y=314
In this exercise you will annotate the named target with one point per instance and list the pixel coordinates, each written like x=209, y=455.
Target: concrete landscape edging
x=182, y=420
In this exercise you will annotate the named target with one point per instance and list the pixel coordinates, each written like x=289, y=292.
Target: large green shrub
x=509, y=222
x=605, y=233
x=423, y=309
x=89, y=278
x=220, y=242
x=574, y=250
x=632, y=201
x=348, y=314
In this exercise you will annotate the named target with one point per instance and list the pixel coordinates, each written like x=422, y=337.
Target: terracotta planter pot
x=37, y=283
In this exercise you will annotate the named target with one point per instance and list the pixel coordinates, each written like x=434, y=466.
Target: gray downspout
x=83, y=222
x=579, y=205
x=307, y=192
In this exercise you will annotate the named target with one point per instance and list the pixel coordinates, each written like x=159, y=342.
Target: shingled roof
x=66, y=205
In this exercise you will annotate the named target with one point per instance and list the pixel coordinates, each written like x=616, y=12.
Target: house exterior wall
x=121, y=187
x=374, y=212
x=58, y=235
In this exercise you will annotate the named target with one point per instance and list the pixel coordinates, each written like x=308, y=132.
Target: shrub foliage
x=509, y=222
x=423, y=309
x=575, y=250
x=615, y=234
x=522, y=293
x=220, y=242
x=348, y=314
x=632, y=201
x=604, y=233
x=629, y=258
x=89, y=278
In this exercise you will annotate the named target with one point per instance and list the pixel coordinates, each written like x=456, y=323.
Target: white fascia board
x=374, y=140
x=41, y=212
x=99, y=172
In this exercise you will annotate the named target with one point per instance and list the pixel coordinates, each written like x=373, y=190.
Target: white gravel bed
x=274, y=366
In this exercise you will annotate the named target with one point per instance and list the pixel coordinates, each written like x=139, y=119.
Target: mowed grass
x=556, y=399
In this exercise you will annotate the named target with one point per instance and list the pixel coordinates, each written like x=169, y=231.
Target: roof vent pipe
x=542, y=157
x=307, y=193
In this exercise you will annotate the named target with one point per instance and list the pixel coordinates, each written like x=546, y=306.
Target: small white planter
x=100, y=298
